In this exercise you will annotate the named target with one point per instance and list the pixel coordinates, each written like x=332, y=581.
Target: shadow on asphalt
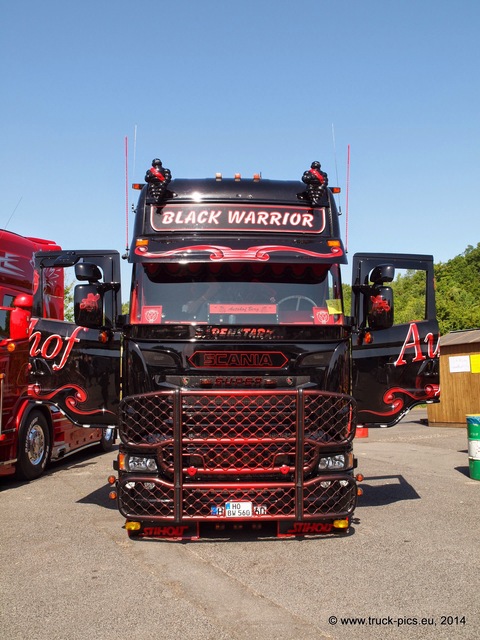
x=100, y=498
x=76, y=460
x=382, y=490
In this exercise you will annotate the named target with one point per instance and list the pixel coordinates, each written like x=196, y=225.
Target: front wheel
x=108, y=439
x=33, y=446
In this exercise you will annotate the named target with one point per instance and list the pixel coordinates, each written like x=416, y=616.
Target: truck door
x=75, y=367
x=395, y=338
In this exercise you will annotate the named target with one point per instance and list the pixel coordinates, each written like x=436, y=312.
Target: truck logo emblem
x=244, y=359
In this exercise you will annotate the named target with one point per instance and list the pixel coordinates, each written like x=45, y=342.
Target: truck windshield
x=236, y=293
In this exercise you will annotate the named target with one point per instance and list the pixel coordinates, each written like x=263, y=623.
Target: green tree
x=68, y=302
x=409, y=290
x=458, y=291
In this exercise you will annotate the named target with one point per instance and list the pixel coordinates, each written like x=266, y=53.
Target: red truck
x=238, y=377
x=31, y=434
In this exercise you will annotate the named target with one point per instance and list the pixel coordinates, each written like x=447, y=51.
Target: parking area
x=409, y=568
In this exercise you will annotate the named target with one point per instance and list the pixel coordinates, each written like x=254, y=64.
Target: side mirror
x=87, y=271
x=20, y=317
x=380, y=308
x=382, y=273
x=88, y=305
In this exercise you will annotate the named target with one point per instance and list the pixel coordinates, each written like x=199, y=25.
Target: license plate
x=238, y=510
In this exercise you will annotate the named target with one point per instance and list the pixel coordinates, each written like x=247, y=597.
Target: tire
x=33, y=446
x=108, y=439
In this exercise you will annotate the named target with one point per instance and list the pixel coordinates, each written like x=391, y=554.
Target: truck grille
x=215, y=446
x=330, y=496
x=151, y=419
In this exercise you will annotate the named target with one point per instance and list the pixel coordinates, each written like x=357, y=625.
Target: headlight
x=328, y=463
x=320, y=359
x=141, y=463
x=158, y=359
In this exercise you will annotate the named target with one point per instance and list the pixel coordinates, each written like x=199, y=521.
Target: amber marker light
x=359, y=477
x=334, y=243
x=112, y=495
x=359, y=491
x=138, y=186
x=336, y=189
x=11, y=347
x=121, y=462
x=111, y=479
x=237, y=177
x=141, y=242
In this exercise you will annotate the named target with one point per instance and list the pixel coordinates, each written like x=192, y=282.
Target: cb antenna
x=13, y=212
x=134, y=150
x=125, y=256
x=336, y=169
x=346, y=200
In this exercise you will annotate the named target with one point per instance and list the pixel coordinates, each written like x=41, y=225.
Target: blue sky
x=243, y=87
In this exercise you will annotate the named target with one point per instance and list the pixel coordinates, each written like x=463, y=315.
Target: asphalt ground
x=409, y=568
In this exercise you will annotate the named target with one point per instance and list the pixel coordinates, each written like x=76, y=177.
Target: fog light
x=132, y=526
x=340, y=524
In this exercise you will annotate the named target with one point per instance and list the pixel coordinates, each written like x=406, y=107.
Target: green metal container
x=473, y=428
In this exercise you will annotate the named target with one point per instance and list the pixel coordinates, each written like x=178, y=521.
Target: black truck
x=238, y=378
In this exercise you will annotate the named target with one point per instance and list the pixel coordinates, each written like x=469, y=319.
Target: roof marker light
x=218, y=176
x=237, y=177
x=257, y=177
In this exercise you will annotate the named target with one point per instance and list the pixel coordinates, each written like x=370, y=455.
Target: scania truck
x=243, y=377
x=31, y=434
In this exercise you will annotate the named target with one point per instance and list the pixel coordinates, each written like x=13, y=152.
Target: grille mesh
x=250, y=442
x=147, y=497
